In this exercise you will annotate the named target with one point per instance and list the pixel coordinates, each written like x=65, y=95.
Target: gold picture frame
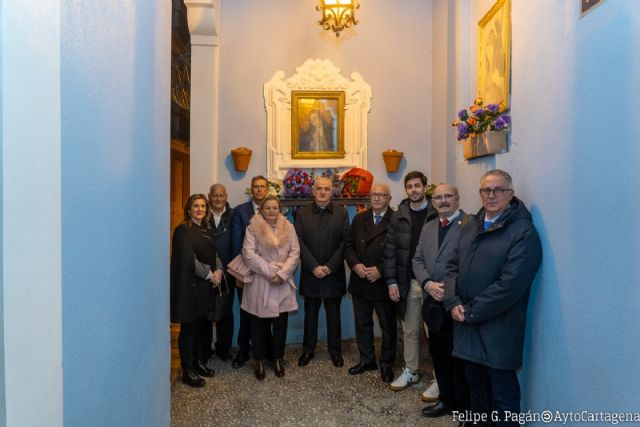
x=494, y=54
x=317, y=124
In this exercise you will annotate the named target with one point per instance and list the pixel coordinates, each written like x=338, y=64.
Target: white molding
x=204, y=24
x=315, y=74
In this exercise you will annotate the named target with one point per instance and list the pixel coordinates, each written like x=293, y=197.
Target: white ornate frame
x=315, y=74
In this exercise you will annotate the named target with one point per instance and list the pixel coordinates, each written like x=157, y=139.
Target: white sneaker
x=432, y=392
x=405, y=379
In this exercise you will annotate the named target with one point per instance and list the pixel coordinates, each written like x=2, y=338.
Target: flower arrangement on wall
x=479, y=119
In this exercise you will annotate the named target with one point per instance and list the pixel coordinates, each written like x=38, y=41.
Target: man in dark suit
x=487, y=285
x=221, y=225
x=400, y=246
x=241, y=217
x=322, y=228
x=364, y=248
x=438, y=242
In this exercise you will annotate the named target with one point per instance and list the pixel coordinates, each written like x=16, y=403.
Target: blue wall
x=115, y=212
x=3, y=410
x=574, y=158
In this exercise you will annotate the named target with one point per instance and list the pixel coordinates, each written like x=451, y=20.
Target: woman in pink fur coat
x=271, y=250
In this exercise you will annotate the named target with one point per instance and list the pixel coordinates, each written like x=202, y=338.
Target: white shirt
x=218, y=217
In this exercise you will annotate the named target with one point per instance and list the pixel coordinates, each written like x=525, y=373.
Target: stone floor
x=316, y=395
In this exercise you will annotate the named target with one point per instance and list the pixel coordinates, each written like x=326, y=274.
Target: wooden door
x=179, y=195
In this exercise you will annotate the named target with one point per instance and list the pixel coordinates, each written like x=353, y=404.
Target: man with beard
x=438, y=242
x=487, y=286
x=400, y=246
x=241, y=217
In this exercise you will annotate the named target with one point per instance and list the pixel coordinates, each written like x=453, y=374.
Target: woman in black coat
x=193, y=251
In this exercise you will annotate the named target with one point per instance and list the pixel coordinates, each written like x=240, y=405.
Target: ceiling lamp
x=337, y=14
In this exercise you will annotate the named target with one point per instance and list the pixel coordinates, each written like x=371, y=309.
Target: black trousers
x=244, y=332
x=454, y=390
x=193, y=344
x=334, y=328
x=265, y=340
x=224, y=334
x=363, y=314
x=493, y=390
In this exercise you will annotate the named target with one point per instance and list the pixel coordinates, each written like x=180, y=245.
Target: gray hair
x=499, y=172
x=453, y=187
x=219, y=186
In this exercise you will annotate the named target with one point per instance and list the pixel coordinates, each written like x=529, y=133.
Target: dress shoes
x=259, y=373
x=361, y=368
x=239, y=360
x=278, y=368
x=386, y=374
x=192, y=380
x=437, y=410
x=304, y=359
x=337, y=360
x=202, y=370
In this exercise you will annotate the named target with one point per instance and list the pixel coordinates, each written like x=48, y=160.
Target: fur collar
x=269, y=236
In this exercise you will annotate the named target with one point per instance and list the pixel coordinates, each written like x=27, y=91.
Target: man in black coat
x=400, y=246
x=487, y=286
x=322, y=228
x=221, y=225
x=364, y=247
x=239, y=222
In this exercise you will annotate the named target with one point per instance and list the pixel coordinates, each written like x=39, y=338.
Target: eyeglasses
x=498, y=191
x=443, y=197
x=378, y=195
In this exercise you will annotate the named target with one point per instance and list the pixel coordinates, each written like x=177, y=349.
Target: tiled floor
x=316, y=395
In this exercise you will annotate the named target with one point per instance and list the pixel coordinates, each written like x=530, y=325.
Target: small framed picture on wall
x=317, y=124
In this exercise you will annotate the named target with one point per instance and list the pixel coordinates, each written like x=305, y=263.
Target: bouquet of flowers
x=480, y=119
x=298, y=183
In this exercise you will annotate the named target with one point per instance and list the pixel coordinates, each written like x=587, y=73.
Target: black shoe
x=386, y=374
x=225, y=356
x=337, y=360
x=202, y=370
x=239, y=360
x=305, y=358
x=361, y=368
x=437, y=410
x=278, y=367
x=259, y=373
x=192, y=380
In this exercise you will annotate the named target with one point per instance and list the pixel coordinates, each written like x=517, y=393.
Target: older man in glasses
x=364, y=247
x=438, y=242
x=487, y=287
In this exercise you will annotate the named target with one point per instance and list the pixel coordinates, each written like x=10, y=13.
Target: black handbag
x=223, y=300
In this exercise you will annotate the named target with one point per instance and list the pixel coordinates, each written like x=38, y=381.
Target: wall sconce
x=337, y=14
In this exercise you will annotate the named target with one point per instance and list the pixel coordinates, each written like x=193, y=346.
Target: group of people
x=466, y=277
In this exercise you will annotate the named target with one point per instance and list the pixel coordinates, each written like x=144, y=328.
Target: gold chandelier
x=337, y=14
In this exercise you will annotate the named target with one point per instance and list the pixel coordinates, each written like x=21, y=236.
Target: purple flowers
x=463, y=115
x=493, y=108
x=481, y=118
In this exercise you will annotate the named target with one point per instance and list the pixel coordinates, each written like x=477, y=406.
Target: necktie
x=487, y=224
x=444, y=223
x=377, y=219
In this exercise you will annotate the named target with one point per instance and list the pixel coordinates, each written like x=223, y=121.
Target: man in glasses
x=364, y=248
x=438, y=242
x=321, y=228
x=487, y=287
x=400, y=246
x=221, y=225
x=241, y=217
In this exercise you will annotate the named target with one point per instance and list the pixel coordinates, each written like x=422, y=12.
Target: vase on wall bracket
x=486, y=144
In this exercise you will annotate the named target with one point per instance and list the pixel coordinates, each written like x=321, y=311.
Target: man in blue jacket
x=241, y=217
x=487, y=286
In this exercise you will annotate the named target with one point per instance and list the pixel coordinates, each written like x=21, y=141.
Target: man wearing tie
x=364, y=248
x=438, y=242
x=241, y=217
x=487, y=286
